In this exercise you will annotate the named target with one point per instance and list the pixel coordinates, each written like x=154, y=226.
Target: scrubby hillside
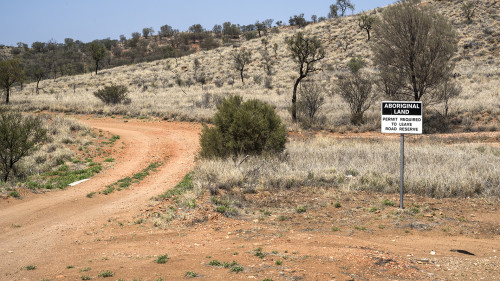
x=173, y=89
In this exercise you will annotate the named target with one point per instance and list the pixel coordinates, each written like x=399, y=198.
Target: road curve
x=44, y=223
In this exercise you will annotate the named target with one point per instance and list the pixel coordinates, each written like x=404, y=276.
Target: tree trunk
x=241, y=75
x=357, y=118
x=7, y=170
x=7, y=95
x=294, y=99
x=37, y=88
x=446, y=107
x=96, y=66
x=415, y=89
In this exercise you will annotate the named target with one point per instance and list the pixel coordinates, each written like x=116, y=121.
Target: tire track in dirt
x=38, y=225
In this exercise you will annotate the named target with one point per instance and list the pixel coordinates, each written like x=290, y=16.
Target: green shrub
x=215, y=263
x=113, y=94
x=387, y=202
x=19, y=137
x=191, y=274
x=162, y=259
x=250, y=127
x=237, y=269
x=106, y=274
x=14, y=194
x=301, y=209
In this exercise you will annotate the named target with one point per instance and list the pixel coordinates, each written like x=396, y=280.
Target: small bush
x=162, y=259
x=301, y=209
x=250, y=127
x=250, y=35
x=259, y=253
x=311, y=99
x=106, y=274
x=356, y=89
x=229, y=264
x=237, y=269
x=14, y=194
x=114, y=94
x=387, y=202
x=191, y=274
x=215, y=263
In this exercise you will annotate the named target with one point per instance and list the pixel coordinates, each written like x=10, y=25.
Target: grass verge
x=126, y=182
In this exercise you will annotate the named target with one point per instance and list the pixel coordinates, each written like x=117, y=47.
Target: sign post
x=401, y=170
x=401, y=117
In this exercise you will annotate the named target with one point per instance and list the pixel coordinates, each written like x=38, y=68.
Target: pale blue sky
x=42, y=20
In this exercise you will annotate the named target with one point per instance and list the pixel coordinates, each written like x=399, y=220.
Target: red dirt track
x=49, y=223
x=68, y=236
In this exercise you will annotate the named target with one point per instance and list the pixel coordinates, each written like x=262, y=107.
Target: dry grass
x=63, y=132
x=64, y=136
x=432, y=168
x=154, y=89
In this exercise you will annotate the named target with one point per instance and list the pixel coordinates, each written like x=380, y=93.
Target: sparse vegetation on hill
x=166, y=88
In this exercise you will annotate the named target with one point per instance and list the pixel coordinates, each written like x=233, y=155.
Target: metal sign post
x=401, y=171
x=401, y=117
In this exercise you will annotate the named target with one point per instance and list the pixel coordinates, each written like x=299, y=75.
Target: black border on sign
x=400, y=115
x=412, y=111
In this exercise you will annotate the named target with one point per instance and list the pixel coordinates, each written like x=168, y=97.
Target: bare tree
x=343, y=5
x=267, y=61
x=445, y=92
x=306, y=52
x=196, y=66
x=468, y=9
x=413, y=49
x=241, y=59
x=355, y=89
x=311, y=99
x=344, y=41
x=366, y=22
x=37, y=72
x=261, y=28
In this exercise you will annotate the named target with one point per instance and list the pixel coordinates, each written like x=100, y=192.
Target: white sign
x=402, y=117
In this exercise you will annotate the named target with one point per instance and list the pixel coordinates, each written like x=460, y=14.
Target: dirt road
x=42, y=226
x=63, y=235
